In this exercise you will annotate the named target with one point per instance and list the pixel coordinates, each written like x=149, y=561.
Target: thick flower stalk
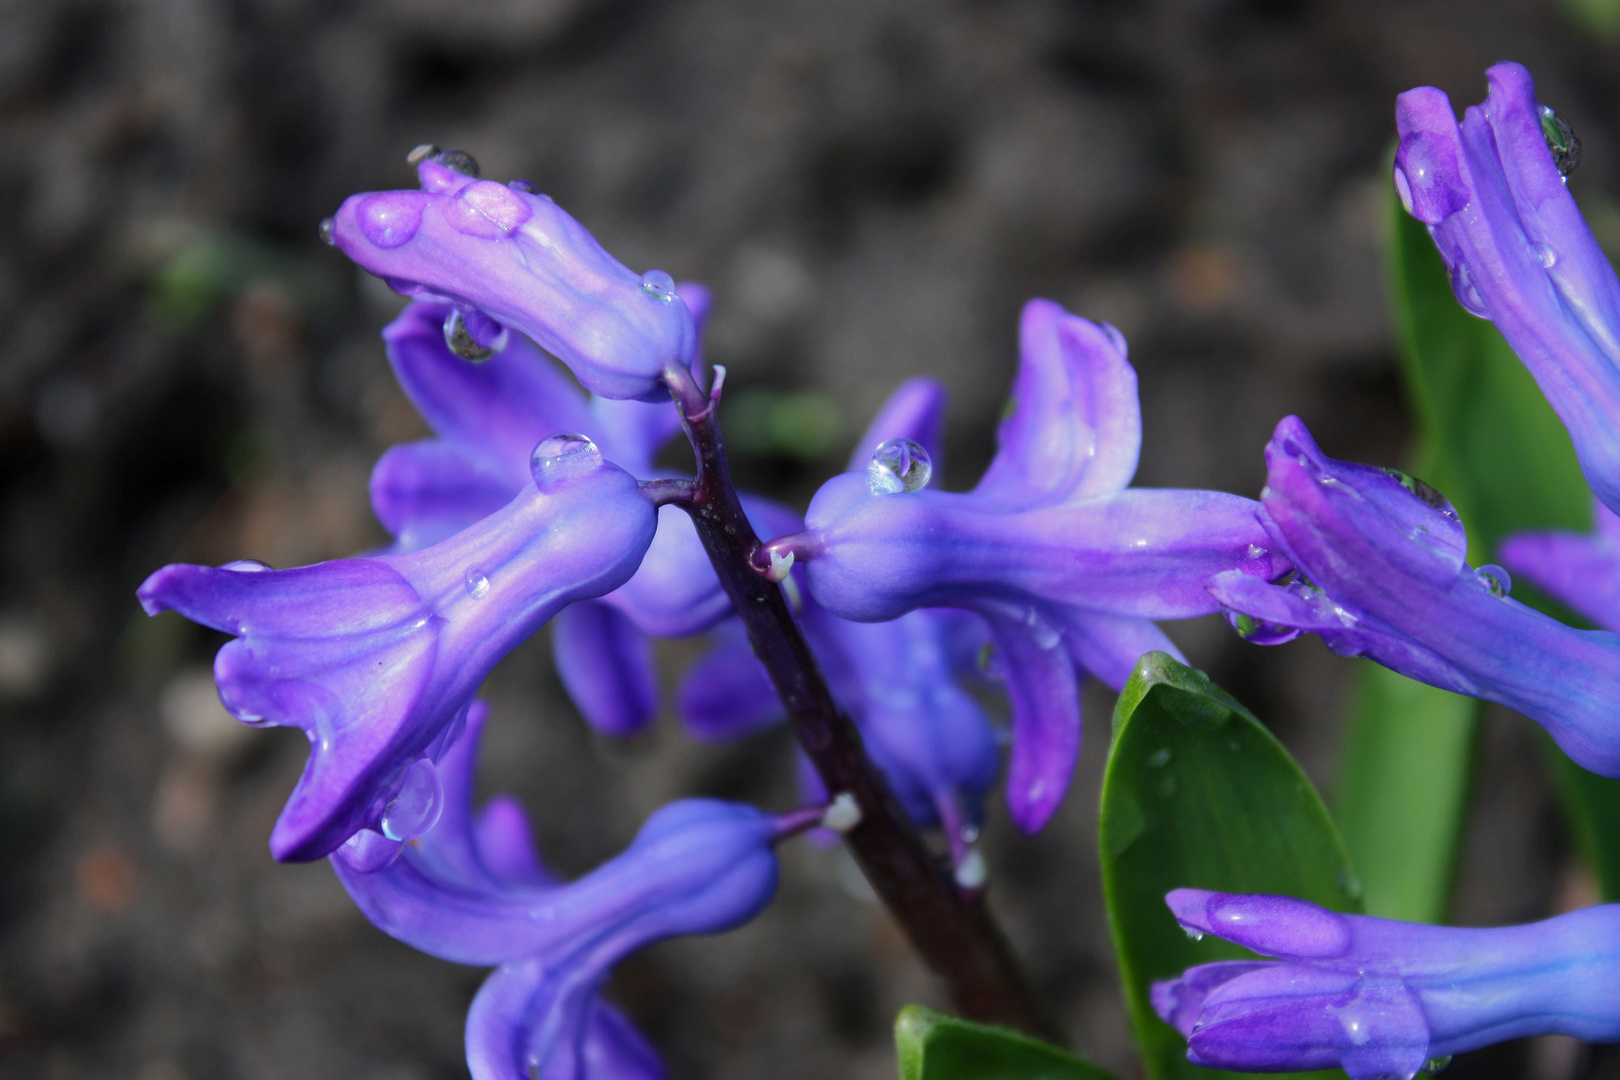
x=1381, y=575
x=472, y=890
x=509, y=257
x=1579, y=571
x=898, y=678
x=376, y=658
x=1067, y=566
x=1492, y=192
x=1381, y=998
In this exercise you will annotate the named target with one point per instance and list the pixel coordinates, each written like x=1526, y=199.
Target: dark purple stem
x=949, y=926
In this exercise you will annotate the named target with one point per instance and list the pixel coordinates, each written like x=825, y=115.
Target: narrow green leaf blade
x=1198, y=793
x=933, y=1046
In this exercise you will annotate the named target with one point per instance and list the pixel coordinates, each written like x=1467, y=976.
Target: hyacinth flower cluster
x=1379, y=572
x=866, y=622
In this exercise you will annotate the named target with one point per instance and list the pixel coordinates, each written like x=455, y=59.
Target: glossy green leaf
x=933, y=1046
x=1492, y=443
x=1199, y=794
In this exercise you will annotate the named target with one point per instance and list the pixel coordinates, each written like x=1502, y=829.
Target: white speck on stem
x=843, y=813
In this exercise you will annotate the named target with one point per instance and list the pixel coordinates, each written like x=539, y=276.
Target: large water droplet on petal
x=1546, y=254
x=524, y=186
x=1431, y=495
x=1258, y=631
x=390, y=218
x=1561, y=140
x=562, y=458
x=415, y=809
x=477, y=584
x=897, y=466
x=658, y=284
x=458, y=161
x=325, y=229
x=473, y=335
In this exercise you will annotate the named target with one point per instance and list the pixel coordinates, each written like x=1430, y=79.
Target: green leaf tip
x=934, y=1046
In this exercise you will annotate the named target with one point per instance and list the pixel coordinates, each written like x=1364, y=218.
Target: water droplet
x=1496, y=579
x=458, y=161
x=897, y=466
x=1258, y=631
x=415, y=809
x=368, y=851
x=421, y=153
x=969, y=834
x=473, y=335
x=390, y=218
x=325, y=229
x=562, y=458
x=1431, y=495
x=524, y=186
x=1561, y=140
x=247, y=566
x=1159, y=758
x=1462, y=283
x=1255, y=551
x=1436, y=1064
x=1546, y=254
x=1403, y=188
x=1192, y=932
x=657, y=284
x=477, y=584
x=486, y=210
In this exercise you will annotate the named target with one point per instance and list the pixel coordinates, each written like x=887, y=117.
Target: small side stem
x=950, y=927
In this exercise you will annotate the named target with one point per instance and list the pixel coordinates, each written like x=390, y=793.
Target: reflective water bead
x=1159, y=758
x=1192, y=932
x=897, y=466
x=562, y=458
x=458, y=161
x=1561, y=140
x=1462, y=284
x=658, y=284
x=247, y=566
x=390, y=218
x=1546, y=255
x=473, y=335
x=1257, y=631
x=969, y=834
x=1496, y=579
x=415, y=809
x=477, y=584
x=1431, y=495
x=524, y=186
x=368, y=851
x=325, y=229
x=421, y=153
x=1436, y=1064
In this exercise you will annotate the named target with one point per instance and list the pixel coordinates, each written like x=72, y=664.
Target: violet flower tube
x=1381, y=998
x=1582, y=572
x=1066, y=565
x=376, y=658
x=507, y=256
x=471, y=890
x=1492, y=192
x=1382, y=576
x=487, y=415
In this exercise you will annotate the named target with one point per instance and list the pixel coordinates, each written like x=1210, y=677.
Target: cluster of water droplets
x=898, y=466
x=559, y=459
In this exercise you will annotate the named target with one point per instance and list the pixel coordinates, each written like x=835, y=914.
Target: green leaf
x=933, y=1046
x=1199, y=794
x=1492, y=443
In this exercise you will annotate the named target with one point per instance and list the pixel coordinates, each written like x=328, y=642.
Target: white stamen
x=780, y=565
x=843, y=813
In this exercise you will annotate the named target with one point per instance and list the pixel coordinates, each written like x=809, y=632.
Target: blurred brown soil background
x=872, y=187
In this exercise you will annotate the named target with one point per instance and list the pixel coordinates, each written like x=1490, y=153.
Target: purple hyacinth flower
x=472, y=890
x=1492, y=192
x=1066, y=566
x=375, y=658
x=1381, y=556
x=507, y=256
x=487, y=417
x=1381, y=998
x=1582, y=572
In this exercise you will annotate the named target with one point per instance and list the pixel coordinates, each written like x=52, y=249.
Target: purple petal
x=1045, y=714
x=1271, y=925
x=606, y=665
x=1179, y=1001
x=426, y=492
x=915, y=411
x=513, y=1001
x=1582, y=572
x=1519, y=252
x=1076, y=428
x=1108, y=646
x=523, y=262
x=505, y=844
x=728, y=693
